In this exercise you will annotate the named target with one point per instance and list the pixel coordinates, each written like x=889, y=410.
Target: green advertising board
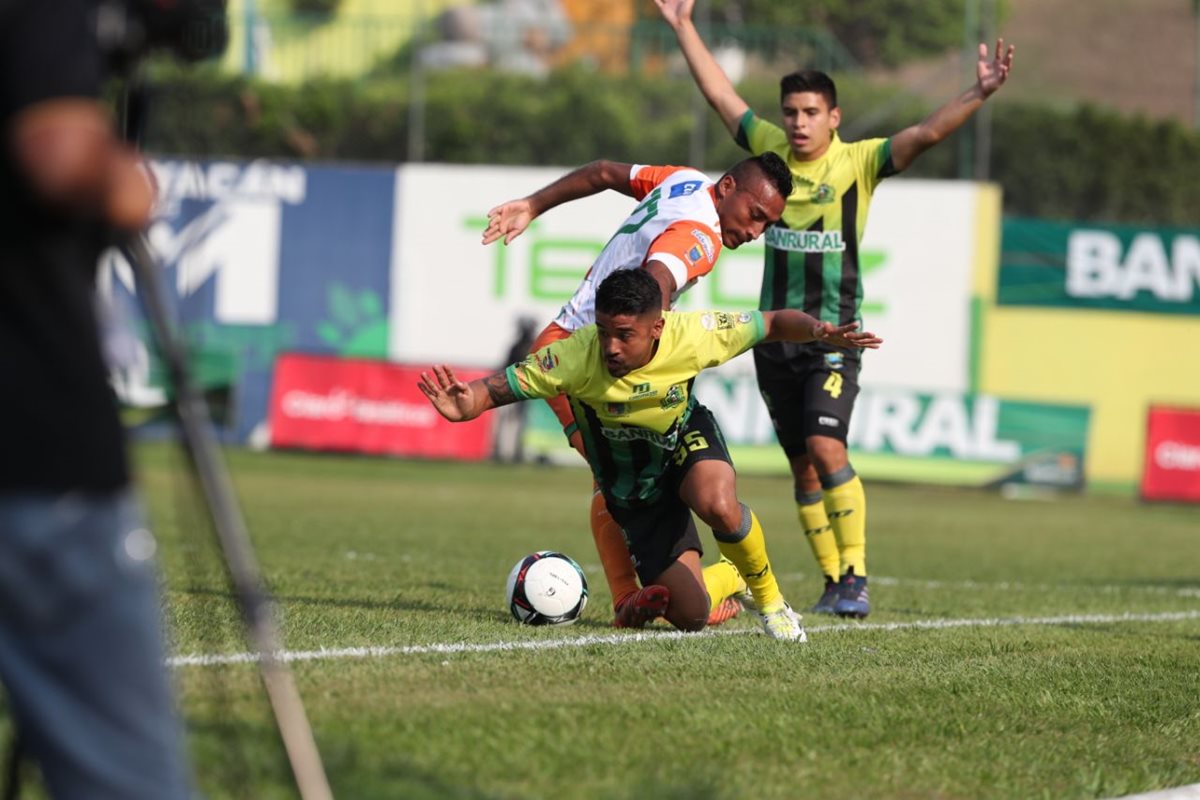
x=1115, y=267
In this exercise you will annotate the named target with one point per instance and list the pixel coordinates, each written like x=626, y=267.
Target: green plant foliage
x=1079, y=164
x=876, y=32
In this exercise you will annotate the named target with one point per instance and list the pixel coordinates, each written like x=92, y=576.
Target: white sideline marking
x=211, y=660
x=1189, y=792
x=1017, y=586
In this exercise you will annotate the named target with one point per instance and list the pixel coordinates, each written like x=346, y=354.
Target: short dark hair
x=809, y=80
x=770, y=166
x=628, y=291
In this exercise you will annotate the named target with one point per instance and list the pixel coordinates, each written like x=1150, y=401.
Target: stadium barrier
x=385, y=263
x=1171, y=468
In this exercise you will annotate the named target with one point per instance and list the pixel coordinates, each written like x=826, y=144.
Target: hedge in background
x=1078, y=164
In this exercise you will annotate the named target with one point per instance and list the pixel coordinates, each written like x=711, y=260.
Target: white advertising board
x=452, y=299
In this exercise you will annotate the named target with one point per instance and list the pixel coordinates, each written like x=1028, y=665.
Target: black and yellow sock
x=810, y=508
x=846, y=505
x=721, y=580
x=747, y=549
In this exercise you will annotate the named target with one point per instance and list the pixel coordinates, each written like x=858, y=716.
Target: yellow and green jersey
x=812, y=260
x=631, y=425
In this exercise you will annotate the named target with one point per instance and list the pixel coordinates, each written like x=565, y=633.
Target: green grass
x=364, y=552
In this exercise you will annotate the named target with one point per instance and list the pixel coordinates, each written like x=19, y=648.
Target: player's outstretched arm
x=990, y=74
x=509, y=220
x=458, y=401
x=713, y=82
x=792, y=325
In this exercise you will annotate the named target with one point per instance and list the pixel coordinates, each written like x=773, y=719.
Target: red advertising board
x=356, y=405
x=1172, y=470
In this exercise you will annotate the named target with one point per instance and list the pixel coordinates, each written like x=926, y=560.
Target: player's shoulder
x=862, y=148
x=709, y=321
x=676, y=181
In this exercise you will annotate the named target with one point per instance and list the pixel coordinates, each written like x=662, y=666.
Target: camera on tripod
x=189, y=30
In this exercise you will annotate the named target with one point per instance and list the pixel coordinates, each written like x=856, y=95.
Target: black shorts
x=660, y=531
x=809, y=391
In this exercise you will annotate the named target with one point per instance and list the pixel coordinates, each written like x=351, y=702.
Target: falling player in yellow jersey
x=812, y=263
x=656, y=453
x=676, y=233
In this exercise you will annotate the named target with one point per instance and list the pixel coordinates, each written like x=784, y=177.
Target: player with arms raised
x=812, y=263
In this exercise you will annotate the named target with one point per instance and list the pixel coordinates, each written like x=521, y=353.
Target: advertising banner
x=258, y=258
x=1088, y=266
x=373, y=407
x=895, y=434
x=1172, y=463
x=454, y=299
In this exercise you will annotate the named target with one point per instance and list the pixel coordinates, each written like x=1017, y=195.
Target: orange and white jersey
x=675, y=224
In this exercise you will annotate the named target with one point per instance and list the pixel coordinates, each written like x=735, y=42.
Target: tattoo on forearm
x=499, y=390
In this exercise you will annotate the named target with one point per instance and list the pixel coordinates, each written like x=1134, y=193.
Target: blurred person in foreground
x=676, y=233
x=812, y=263
x=81, y=650
x=656, y=453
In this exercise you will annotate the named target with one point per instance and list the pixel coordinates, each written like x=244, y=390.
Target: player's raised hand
x=453, y=399
x=675, y=11
x=508, y=220
x=846, y=335
x=992, y=71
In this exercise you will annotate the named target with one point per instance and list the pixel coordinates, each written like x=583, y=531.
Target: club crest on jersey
x=719, y=320
x=834, y=360
x=824, y=194
x=705, y=242
x=673, y=397
x=547, y=362
x=684, y=188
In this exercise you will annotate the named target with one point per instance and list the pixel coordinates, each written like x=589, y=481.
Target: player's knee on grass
x=688, y=615
x=689, y=606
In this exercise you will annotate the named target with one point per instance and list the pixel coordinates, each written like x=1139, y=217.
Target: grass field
x=1035, y=649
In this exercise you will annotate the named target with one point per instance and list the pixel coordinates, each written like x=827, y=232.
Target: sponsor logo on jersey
x=665, y=441
x=693, y=255
x=706, y=242
x=684, y=189
x=782, y=238
x=828, y=422
x=673, y=397
x=824, y=194
x=642, y=391
x=834, y=360
x=547, y=362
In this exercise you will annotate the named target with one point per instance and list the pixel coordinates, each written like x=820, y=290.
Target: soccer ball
x=546, y=588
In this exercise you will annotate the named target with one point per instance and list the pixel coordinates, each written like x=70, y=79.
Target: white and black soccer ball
x=546, y=588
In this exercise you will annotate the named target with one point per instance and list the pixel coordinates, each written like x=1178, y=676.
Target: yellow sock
x=614, y=553
x=747, y=549
x=721, y=580
x=811, y=510
x=846, y=505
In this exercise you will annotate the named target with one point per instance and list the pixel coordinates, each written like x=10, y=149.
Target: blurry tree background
x=562, y=82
